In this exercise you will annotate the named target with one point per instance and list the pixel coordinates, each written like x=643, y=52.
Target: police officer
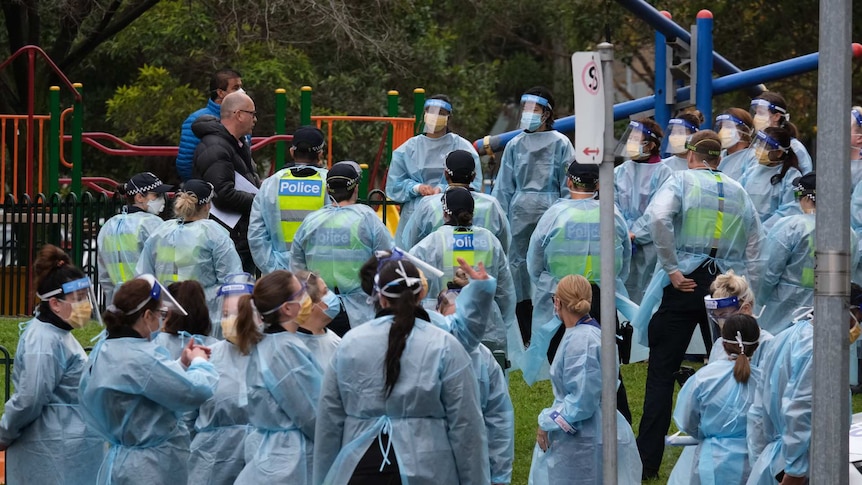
x=285, y=199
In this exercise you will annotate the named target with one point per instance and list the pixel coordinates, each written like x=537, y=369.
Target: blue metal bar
x=703, y=95
x=662, y=108
x=721, y=85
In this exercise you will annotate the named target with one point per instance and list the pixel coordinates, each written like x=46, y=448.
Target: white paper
x=230, y=218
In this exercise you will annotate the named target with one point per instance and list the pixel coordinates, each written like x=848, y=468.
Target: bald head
x=238, y=114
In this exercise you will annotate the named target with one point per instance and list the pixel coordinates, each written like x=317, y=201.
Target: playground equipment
x=703, y=86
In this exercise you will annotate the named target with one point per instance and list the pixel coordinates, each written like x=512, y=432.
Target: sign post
x=589, y=107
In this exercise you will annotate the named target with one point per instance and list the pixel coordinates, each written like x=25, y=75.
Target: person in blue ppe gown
x=770, y=110
x=702, y=223
x=532, y=177
x=779, y=420
x=179, y=328
x=635, y=182
x=494, y=397
x=735, y=129
x=730, y=294
x=335, y=242
x=132, y=392
x=283, y=382
x=419, y=163
x=769, y=179
x=678, y=131
x=192, y=247
x=855, y=146
x=313, y=331
x=569, y=437
x=428, y=215
x=460, y=238
x=217, y=452
x=121, y=239
x=407, y=414
x=285, y=199
x=712, y=407
x=42, y=431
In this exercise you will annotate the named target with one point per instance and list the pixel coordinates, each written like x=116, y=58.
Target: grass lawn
x=528, y=401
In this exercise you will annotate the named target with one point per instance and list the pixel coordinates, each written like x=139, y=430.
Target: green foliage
x=153, y=107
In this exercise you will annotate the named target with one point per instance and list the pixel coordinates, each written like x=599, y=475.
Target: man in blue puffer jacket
x=222, y=83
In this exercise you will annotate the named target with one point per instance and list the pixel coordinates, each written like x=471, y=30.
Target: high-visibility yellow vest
x=298, y=197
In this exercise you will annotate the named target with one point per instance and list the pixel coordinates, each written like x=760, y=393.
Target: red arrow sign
x=588, y=151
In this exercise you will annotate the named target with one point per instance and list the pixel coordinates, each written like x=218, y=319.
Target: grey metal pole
x=609, y=312
x=830, y=423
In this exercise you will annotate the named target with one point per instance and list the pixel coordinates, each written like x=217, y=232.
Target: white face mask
x=676, y=143
x=729, y=137
x=157, y=205
x=761, y=122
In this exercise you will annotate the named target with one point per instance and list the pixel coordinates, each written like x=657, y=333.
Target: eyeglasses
x=253, y=113
x=163, y=312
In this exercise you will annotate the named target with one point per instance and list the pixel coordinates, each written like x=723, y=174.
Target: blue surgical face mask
x=531, y=121
x=333, y=304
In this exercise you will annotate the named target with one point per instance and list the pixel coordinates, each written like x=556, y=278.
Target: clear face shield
x=227, y=299
x=762, y=111
x=719, y=309
x=159, y=292
x=767, y=150
x=533, y=112
x=436, y=116
x=856, y=133
x=80, y=297
x=634, y=144
x=678, y=131
x=730, y=130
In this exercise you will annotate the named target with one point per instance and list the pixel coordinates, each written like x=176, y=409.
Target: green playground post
x=392, y=112
x=418, y=108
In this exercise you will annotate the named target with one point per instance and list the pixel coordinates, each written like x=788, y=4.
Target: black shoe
x=649, y=474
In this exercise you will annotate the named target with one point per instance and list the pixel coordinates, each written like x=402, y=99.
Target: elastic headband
x=349, y=181
x=703, y=151
x=727, y=117
x=680, y=121
x=772, y=107
x=739, y=342
x=532, y=98
x=291, y=298
x=235, y=288
x=715, y=303
x=643, y=129
x=772, y=142
x=438, y=103
x=403, y=281
x=67, y=288
x=856, y=115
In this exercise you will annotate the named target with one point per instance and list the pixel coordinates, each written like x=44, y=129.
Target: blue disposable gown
x=42, y=426
x=855, y=173
x=682, y=220
x=806, y=165
x=201, y=250
x=132, y=394
x=283, y=387
x=266, y=241
x=779, y=420
x=422, y=160
x=675, y=163
x=576, y=376
x=735, y=164
x=116, y=240
x=712, y=407
x=335, y=242
x=176, y=343
x=566, y=241
x=428, y=217
x=436, y=250
x=472, y=313
x=532, y=176
x=217, y=450
x=634, y=185
x=771, y=201
x=433, y=415
x=322, y=346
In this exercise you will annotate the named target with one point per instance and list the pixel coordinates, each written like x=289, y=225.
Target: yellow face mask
x=81, y=312
x=304, y=310
x=855, y=332
x=228, y=328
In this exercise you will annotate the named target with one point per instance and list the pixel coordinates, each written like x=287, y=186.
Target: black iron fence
x=69, y=222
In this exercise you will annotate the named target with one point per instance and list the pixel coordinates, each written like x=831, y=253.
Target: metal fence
x=28, y=224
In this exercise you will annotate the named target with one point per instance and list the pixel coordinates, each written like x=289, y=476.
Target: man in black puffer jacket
x=223, y=159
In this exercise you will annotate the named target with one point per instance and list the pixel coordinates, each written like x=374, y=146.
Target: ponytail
x=740, y=336
x=247, y=333
x=399, y=282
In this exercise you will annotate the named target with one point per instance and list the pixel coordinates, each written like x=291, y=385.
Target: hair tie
x=60, y=263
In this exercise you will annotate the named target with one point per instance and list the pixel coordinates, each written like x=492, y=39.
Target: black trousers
x=368, y=471
x=595, y=312
x=670, y=331
x=524, y=314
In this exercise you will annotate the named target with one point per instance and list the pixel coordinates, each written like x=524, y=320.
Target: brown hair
x=575, y=294
x=707, y=147
x=52, y=268
x=747, y=328
x=190, y=295
x=270, y=292
x=129, y=296
x=654, y=127
x=186, y=205
x=745, y=117
x=404, y=309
